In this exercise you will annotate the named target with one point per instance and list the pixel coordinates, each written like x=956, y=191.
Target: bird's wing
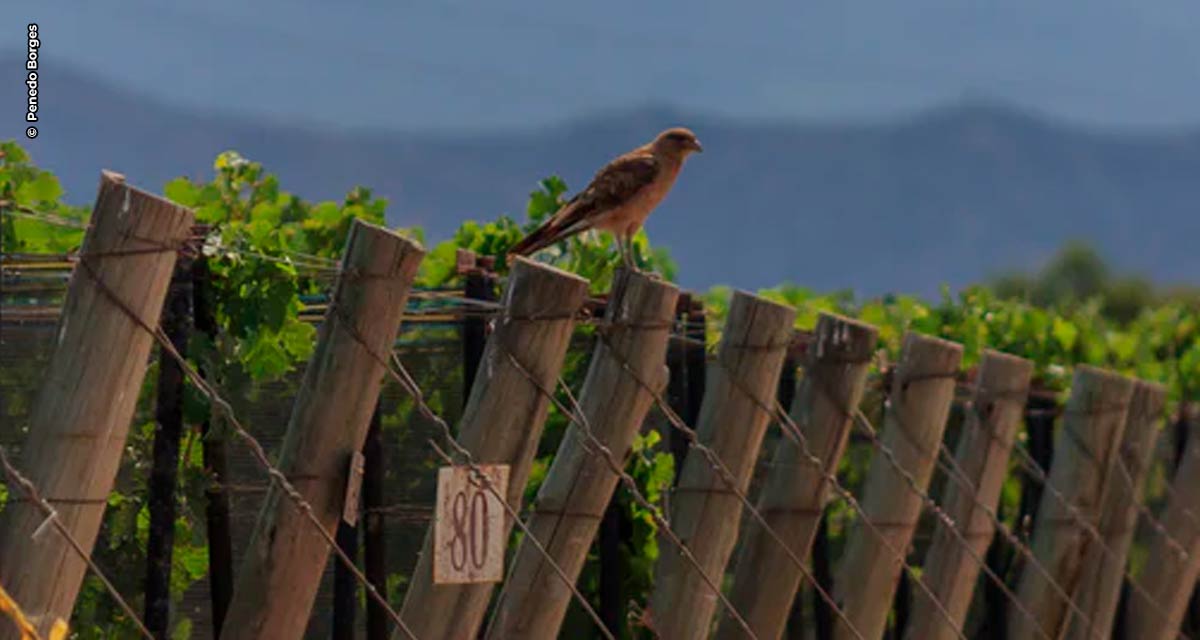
x=614, y=185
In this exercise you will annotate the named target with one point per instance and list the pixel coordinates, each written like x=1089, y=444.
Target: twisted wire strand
x=223, y=409
x=400, y=374
x=19, y=480
x=730, y=481
x=1029, y=464
x=395, y=369
x=959, y=475
x=577, y=416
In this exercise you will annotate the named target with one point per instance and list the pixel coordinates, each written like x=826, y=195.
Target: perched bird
x=620, y=196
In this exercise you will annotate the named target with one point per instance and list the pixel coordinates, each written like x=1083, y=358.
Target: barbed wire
x=730, y=481
x=956, y=472
x=1040, y=476
x=579, y=418
x=789, y=427
x=1030, y=464
x=942, y=517
x=401, y=375
x=223, y=410
x=396, y=370
x=959, y=475
x=26, y=486
x=783, y=418
x=1144, y=511
x=489, y=309
x=949, y=465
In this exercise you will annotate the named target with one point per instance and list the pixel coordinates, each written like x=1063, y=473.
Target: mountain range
x=948, y=195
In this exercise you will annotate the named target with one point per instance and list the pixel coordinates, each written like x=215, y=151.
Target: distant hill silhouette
x=949, y=195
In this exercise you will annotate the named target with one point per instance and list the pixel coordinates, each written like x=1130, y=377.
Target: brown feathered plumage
x=620, y=196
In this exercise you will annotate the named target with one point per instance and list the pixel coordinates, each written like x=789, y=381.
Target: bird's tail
x=537, y=240
x=550, y=232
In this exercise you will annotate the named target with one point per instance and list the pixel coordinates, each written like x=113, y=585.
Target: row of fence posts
x=128, y=270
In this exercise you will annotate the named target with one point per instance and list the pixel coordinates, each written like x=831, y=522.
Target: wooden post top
x=838, y=337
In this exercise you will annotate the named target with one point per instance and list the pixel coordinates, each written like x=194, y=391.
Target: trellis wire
x=396, y=370
x=1032, y=466
x=223, y=409
x=577, y=416
x=32, y=494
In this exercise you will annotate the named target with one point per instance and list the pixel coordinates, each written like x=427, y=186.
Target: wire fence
x=415, y=417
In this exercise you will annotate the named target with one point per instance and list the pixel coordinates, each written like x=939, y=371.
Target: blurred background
x=849, y=145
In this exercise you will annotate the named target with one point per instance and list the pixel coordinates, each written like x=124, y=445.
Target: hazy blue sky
x=484, y=64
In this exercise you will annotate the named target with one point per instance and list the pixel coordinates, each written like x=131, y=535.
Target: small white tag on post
x=468, y=532
x=353, y=487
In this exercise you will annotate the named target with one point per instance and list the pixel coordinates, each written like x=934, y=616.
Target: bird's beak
x=695, y=146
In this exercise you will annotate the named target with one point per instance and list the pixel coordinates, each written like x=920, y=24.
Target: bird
x=620, y=197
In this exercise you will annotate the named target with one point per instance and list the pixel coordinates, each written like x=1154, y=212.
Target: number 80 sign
x=468, y=538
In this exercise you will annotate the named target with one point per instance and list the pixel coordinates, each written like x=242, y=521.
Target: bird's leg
x=627, y=252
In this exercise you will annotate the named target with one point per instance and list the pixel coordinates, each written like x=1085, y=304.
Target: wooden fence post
x=81, y=416
x=919, y=404
x=794, y=495
x=1084, y=451
x=216, y=466
x=685, y=388
x=704, y=510
x=479, y=284
x=1168, y=579
x=989, y=429
x=345, y=587
x=580, y=483
x=822, y=568
x=1100, y=587
x=501, y=424
x=286, y=556
x=164, y=471
x=373, y=521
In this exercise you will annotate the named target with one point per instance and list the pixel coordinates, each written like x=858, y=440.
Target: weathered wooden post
x=705, y=510
x=164, y=470
x=1100, y=587
x=286, y=555
x=1084, y=452
x=766, y=579
x=80, y=419
x=373, y=521
x=580, y=482
x=216, y=466
x=685, y=390
x=502, y=423
x=1167, y=579
x=610, y=538
x=345, y=587
x=918, y=405
x=478, y=284
x=822, y=568
x=989, y=429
